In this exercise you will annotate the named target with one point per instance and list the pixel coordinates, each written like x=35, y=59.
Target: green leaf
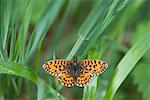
x=107, y=16
x=90, y=90
x=126, y=65
x=42, y=27
x=95, y=24
x=85, y=29
x=19, y=70
x=142, y=71
x=5, y=10
x=58, y=32
x=6, y=19
x=142, y=79
x=21, y=40
x=26, y=72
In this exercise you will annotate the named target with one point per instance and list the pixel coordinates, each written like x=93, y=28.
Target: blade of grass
x=3, y=53
x=90, y=90
x=13, y=42
x=4, y=24
x=6, y=16
x=49, y=88
x=18, y=69
x=18, y=9
x=61, y=26
x=42, y=27
x=85, y=29
x=1, y=95
x=127, y=64
x=90, y=30
x=106, y=20
x=41, y=89
x=26, y=72
x=24, y=30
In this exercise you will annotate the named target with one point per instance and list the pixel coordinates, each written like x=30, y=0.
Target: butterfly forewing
x=94, y=67
x=55, y=67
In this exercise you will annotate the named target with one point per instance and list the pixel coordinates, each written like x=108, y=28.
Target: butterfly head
x=75, y=64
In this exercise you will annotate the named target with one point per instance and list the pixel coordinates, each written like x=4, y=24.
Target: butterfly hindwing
x=55, y=67
x=84, y=78
x=94, y=67
x=66, y=79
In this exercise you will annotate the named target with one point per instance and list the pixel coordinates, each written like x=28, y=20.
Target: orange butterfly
x=75, y=72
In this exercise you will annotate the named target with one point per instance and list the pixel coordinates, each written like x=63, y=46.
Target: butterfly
x=75, y=72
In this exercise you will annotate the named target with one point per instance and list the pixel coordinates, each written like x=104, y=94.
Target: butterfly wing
x=84, y=78
x=59, y=68
x=55, y=67
x=66, y=79
x=94, y=67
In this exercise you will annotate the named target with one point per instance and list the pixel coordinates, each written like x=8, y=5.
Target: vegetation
x=34, y=31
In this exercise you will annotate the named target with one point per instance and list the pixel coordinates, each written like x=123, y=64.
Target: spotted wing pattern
x=84, y=78
x=61, y=69
x=66, y=79
x=55, y=67
x=95, y=67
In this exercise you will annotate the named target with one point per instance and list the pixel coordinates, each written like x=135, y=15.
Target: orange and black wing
x=95, y=67
x=55, y=67
x=84, y=78
x=66, y=79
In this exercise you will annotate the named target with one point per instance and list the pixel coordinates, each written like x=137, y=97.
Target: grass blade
x=19, y=70
x=127, y=64
x=61, y=26
x=106, y=19
x=42, y=27
x=26, y=72
x=24, y=30
x=7, y=14
x=85, y=29
x=4, y=24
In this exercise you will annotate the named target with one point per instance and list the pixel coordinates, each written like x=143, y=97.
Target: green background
x=35, y=31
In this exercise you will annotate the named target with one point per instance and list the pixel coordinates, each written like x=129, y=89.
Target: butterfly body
x=75, y=69
x=75, y=72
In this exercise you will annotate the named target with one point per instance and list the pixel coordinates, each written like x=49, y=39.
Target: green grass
x=126, y=65
x=19, y=52
x=113, y=30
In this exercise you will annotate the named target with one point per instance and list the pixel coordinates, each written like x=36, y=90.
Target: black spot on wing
x=61, y=62
x=91, y=62
x=46, y=64
x=88, y=62
x=55, y=66
x=95, y=61
x=58, y=62
x=94, y=66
